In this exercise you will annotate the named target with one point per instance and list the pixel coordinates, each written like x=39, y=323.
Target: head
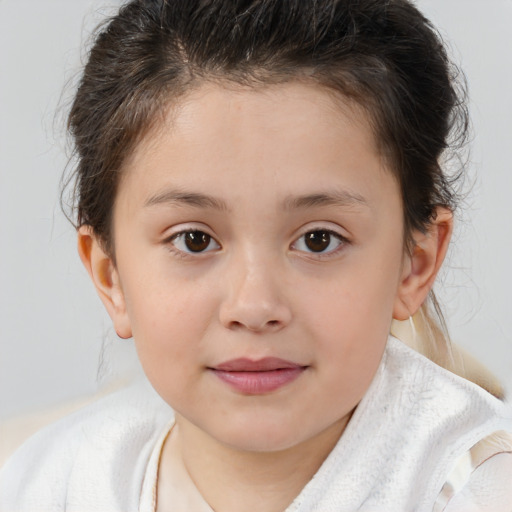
x=188, y=103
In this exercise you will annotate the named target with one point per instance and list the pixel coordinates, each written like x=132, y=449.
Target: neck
x=243, y=481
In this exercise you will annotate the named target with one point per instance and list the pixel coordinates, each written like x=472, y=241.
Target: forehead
x=289, y=136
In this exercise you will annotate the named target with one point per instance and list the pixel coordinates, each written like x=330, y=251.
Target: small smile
x=258, y=377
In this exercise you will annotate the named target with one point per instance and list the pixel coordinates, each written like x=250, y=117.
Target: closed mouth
x=257, y=377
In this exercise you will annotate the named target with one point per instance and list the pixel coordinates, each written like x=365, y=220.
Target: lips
x=261, y=365
x=258, y=377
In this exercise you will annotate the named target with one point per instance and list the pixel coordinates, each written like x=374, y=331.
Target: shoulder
x=481, y=479
x=110, y=440
x=435, y=387
x=436, y=401
x=439, y=419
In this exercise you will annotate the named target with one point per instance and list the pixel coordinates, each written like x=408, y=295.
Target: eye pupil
x=197, y=241
x=317, y=241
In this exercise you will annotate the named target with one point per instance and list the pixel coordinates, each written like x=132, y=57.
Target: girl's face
x=259, y=246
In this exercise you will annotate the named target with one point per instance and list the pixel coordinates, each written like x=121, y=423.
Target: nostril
x=271, y=324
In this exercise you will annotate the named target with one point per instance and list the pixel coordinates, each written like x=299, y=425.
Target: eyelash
x=171, y=243
x=322, y=254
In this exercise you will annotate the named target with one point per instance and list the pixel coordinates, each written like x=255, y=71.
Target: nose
x=255, y=300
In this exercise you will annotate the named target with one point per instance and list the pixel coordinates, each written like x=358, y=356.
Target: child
x=259, y=195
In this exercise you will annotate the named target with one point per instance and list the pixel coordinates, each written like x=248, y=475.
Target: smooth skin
x=256, y=223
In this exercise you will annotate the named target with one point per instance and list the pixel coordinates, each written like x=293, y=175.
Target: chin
x=257, y=436
x=261, y=442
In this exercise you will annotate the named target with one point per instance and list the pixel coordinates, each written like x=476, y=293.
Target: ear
x=421, y=266
x=105, y=278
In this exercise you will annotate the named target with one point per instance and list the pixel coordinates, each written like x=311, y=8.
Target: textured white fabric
x=402, y=444
x=94, y=460
x=401, y=452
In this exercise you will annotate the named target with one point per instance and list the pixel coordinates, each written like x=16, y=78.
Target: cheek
x=357, y=300
x=350, y=338
x=350, y=316
x=352, y=332
x=168, y=320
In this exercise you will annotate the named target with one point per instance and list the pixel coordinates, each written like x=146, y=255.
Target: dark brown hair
x=382, y=54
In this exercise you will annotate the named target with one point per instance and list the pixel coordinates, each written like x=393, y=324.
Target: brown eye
x=194, y=242
x=320, y=241
x=317, y=241
x=197, y=241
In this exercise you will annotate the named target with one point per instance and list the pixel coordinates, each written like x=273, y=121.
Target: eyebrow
x=342, y=198
x=177, y=197
x=337, y=198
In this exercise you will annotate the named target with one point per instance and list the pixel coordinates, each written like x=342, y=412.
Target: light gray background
x=52, y=326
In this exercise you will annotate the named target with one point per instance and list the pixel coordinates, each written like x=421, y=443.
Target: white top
x=418, y=441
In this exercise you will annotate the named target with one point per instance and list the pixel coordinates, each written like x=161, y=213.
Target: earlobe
x=422, y=265
x=105, y=278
